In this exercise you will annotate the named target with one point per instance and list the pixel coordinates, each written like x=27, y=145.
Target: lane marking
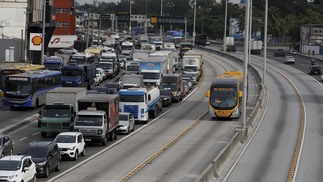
x=36, y=133
x=22, y=138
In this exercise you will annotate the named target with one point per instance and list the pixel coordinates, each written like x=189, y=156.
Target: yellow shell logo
x=93, y=104
x=37, y=40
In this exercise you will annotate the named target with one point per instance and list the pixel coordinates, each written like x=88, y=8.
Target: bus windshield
x=132, y=98
x=150, y=75
x=126, y=48
x=18, y=88
x=71, y=73
x=169, y=86
x=223, y=98
x=53, y=66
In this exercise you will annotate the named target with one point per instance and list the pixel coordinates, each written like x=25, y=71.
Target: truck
x=200, y=39
x=173, y=83
x=59, y=110
x=158, y=41
x=54, y=63
x=110, y=57
x=169, y=46
x=109, y=42
x=79, y=75
x=128, y=81
x=133, y=67
x=228, y=40
x=191, y=55
x=142, y=39
x=150, y=47
x=153, y=69
x=98, y=117
x=176, y=59
x=169, y=59
x=127, y=49
x=141, y=102
x=256, y=46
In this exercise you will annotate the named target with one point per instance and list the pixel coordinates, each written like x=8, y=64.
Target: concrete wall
x=16, y=44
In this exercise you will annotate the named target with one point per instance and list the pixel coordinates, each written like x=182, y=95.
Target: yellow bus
x=225, y=95
x=18, y=69
x=97, y=51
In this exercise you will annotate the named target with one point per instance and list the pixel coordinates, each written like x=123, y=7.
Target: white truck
x=228, y=41
x=170, y=65
x=141, y=102
x=150, y=47
x=191, y=65
x=127, y=49
x=109, y=42
x=129, y=81
x=153, y=69
x=198, y=55
x=133, y=67
x=256, y=46
x=142, y=39
x=169, y=46
x=60, y=108
x=158, y=41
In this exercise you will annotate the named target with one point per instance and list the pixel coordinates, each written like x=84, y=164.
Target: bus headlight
x=211, y=110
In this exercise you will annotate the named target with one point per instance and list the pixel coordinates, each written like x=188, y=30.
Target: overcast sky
x=91, y=1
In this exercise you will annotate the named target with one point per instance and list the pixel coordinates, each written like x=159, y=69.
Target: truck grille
x=54, y=125
x=88, y=131
x=132, y=109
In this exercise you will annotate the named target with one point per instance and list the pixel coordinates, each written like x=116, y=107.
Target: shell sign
x=35, y=42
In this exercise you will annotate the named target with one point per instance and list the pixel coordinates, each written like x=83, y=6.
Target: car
x=279, y=52
x=99, y=75
x=102, y=73
x=314, y=69
x=127, y=55
x=45, y=154
x=189, y=81
x=113, y=88
x=122, y=57
x=67, y=51
x=6, y=146
x=126, y=123
x=289, y=59
x=166, y=97
x=124, y=31
x=223, y=48
x=186, y=87
x=71, y=144
x=101, y=89
x=17, y=168
x=92, y=92
x=207, y=43
x=231, y=48
x=193, y=76
x=293, y=51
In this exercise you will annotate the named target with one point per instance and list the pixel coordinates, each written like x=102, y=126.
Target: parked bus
x=172, y=33
x=18, y=69
x=225, y=95
x=81, y=58
x=29, y=89
x=97, y=51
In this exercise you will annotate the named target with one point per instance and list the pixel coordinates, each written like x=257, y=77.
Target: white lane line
x=36, y=133
x=22, y=138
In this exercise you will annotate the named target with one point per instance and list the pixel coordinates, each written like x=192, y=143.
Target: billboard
x=14, y=23
x=62, y=41
x=35, y=41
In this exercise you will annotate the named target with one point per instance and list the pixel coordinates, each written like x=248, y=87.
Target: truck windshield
x=126, y=48
x=71, y=73
x=77, y=61
x=132, y=68
x=53, y=66
x=85, y=120
x=57, y=113
x=223, y=98
x=169, y=86
x=132, y=98
x=190, y=68
x=108, y=59
x=105, y=66
x=18, y=88
x=150, y=75
x=144, y=41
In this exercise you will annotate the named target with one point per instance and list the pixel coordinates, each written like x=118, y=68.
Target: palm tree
x=274, y=20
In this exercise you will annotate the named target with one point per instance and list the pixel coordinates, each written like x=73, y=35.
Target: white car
x=289, y=59
x=293, y=51
x=71, y=144
x=17, y=168
x=67, y=51
x=100, y=75
x=126, y=123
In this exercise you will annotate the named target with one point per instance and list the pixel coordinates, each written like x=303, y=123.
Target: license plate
x=15, y=105
x=223, y=115
x=88, y=139
x=62, y=152
x=315, y=72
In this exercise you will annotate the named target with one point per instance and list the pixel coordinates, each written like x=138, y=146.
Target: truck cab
x=158, y=41
x=54, y=63
x=127, y=48
x=79, y=75
x=109, y=68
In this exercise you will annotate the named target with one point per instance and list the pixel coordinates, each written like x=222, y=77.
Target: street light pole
x=161, y=14
x=146, y=20
x=194, y=22
x=265, y=43
x=43, y=32
x=225, y=23
x=130, y=17
x=250, y=26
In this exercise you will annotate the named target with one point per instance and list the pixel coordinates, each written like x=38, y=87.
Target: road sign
x=161, y=20
x=194, y=34
x=153, y=20
x=106, y=17
x=123, y=17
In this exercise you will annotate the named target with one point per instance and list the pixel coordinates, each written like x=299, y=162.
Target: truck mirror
x=202, y=63
x=239, y=94
x=207, y=93
x=149, y=97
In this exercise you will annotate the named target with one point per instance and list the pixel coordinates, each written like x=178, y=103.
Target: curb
x=16, y=125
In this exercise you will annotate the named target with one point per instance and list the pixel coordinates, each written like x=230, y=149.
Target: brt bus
x=18, y=69
x=97, y=51
x=29, y=89
x=81, y=58
x=225, y=95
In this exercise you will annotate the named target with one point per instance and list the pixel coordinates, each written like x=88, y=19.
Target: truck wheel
x=43, y=134
x=115, y=134
x=104, y=143
x=111, y=135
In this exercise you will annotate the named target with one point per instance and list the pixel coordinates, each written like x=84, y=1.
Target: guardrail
x=214, y=170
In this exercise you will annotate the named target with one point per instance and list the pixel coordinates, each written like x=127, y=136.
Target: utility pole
x=225, y=23
x=87, y=32
x=43, y=33
x=92, y=33
x=161, y=14
x=194, y=33
x=99, y=29
x=130, y=17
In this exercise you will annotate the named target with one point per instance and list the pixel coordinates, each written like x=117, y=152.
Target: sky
x=91, y=1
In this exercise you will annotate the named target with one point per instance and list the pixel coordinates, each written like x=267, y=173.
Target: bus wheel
x=35, y=107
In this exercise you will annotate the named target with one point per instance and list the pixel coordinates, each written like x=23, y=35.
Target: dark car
x=279, y=53
x=166, y=97
x=101, y=89
x=46, y=156
x=92, y=92
x=231, y=48
x=314, y=69
x=6, y=146
x=113, y=88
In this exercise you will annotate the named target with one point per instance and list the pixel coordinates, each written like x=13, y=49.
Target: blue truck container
x=153, y=69
x=54, y=63
x=79, y=75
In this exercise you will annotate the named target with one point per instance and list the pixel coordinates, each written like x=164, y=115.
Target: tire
x=115, y=134
x=43, y=135
x=76, y=155
x=155, y=113
x=104, y=143
x=46, y=174
x=134, y=124
x=111, y=136
x=83, y=152
x=128, y=130
x=34, y=178
x=58, y=167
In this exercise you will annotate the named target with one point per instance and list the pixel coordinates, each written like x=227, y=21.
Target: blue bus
x=29, y=89
x=172, y=33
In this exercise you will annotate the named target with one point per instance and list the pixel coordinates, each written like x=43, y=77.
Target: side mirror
x=239, y=94
x=207, y=94
x=26, y=169
x=202, y=63
x=149, y=97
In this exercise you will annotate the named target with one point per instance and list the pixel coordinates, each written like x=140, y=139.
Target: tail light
x=320, y=69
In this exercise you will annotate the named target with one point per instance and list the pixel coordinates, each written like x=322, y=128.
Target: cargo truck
x=256, y=46
x=142, y=39
x=228, y=40
x=98, y=117
x=79, y=76
x=54, y=63
x=200, y=39
x=128, y=81
x=153, y=69
x=173, y=83
x=59, y=110
x=192, y=63
x=141, y=102
x=169, y=59
x=158, y=41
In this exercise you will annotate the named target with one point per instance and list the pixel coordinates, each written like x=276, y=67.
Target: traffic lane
x=125, y=156
x=186, y=159
x=269, y=155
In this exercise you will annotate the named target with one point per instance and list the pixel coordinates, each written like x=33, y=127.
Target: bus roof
x=36, y=73
x=82, y=54
x=229, y=78
x=28, y=67
x=94, y=50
